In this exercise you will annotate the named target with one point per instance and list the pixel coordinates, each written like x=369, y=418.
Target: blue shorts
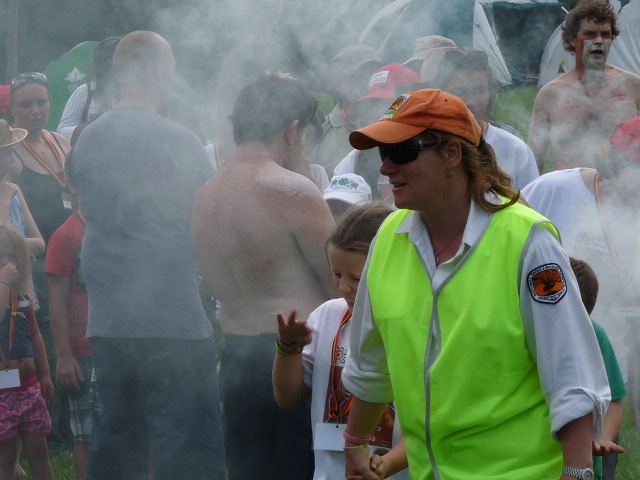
x=157, y=396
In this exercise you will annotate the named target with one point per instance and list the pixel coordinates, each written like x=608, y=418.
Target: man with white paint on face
x=576, y=114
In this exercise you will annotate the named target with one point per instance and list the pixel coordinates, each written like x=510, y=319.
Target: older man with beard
x=259, y=232
x=577, y=113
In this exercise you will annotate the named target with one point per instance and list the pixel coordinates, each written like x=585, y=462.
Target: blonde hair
x=9, y=234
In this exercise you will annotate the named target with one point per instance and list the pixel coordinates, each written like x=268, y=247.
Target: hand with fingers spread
x=605, y=447
x=293, y=331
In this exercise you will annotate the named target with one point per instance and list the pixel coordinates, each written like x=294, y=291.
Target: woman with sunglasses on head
x=39, y=158
x=467, y=315
x=37, y=168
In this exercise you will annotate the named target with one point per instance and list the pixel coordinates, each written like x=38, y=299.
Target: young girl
x=325, y=338
x=22, y=399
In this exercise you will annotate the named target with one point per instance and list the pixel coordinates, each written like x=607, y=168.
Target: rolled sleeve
x=366, y=374
x=561, y=338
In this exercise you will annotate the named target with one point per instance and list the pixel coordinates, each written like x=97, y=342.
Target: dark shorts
x=261, y=439
x=157, y=396
x=80, y=404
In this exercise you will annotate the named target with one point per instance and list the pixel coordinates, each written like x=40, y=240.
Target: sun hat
x=386, y=79
x=10, y=136
x=627, y=139
x=414, y=112
x=424, y=44
x=349, y=188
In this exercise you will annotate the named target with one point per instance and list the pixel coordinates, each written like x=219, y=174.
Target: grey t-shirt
x=137, y=174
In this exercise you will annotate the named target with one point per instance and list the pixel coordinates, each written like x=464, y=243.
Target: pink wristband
x=356, y=440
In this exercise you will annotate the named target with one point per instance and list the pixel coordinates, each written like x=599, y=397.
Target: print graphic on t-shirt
x=338, y=401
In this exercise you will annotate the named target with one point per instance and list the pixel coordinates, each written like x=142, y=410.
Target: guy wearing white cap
x=345, y=191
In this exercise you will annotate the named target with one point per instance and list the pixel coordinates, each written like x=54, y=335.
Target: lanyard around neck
x=12, y=328
x=609, y=239
x=338, y=409
x=42, y=161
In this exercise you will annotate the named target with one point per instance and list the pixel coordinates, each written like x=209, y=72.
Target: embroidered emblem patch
x=547, y=284
x=393, y=109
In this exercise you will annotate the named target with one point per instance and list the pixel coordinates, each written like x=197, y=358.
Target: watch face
x=587, y=474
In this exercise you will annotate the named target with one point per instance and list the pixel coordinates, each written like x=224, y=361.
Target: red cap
x=386, y=79
x=627, y=139
x=414, y=112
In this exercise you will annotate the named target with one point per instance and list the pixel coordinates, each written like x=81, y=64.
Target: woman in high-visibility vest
x=468, y=315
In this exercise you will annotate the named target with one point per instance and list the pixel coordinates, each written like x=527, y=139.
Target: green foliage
x=514, y=107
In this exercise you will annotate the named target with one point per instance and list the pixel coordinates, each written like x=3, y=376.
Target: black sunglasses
x=32, y=77
x=405, y=152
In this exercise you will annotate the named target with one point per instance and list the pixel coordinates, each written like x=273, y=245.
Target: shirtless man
x=259, y=231
x=576, y=114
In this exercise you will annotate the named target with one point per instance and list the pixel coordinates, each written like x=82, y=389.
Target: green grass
x=628, y=466
x=629, y=463
x=514, y=107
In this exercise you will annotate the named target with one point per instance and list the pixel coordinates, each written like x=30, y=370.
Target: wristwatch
x=582, y=473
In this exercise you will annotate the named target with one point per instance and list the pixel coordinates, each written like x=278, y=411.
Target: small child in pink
x=23, y=411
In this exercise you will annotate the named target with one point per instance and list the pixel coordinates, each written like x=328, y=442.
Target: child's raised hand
x=9, y=272
x=292, y=331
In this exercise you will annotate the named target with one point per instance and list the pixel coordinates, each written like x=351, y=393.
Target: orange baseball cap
x=414, y=112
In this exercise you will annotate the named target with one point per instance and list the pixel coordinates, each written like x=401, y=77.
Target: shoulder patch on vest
x=547, y=284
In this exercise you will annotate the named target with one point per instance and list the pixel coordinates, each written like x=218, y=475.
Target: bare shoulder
x=62, y=141
x=549, y=92
x=287, y=184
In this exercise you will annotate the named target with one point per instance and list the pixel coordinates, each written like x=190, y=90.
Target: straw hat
x=10, y=136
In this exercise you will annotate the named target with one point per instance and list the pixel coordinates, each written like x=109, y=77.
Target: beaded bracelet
x=286, y=353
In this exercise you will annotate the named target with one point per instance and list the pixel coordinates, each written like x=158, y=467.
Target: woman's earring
x=449, y=173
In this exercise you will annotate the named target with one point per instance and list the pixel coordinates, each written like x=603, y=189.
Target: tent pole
x=12, y=39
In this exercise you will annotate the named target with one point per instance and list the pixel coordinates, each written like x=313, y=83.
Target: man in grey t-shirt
x=137, y=174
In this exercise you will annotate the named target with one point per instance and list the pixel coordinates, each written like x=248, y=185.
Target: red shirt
x=63, y=258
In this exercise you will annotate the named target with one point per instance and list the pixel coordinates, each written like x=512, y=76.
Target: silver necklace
x=437, y=253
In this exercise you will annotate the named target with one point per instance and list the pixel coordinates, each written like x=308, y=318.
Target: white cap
x=349, y=188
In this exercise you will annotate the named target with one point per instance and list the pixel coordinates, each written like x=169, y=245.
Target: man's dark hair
x=269, y=104
x=587, y=283
x=599, y=11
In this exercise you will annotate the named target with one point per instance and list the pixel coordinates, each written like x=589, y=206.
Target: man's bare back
x=575, y=121
x=259, y=231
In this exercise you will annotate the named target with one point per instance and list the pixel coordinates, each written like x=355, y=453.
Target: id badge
x=66, y=201
x=328, y=436
x=9, y=378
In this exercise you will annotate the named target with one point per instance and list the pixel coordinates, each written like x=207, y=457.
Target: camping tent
x=65, y=75
x=512, y=32
x=624, y=49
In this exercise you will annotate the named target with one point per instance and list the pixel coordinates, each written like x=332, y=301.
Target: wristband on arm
x=356, y=440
